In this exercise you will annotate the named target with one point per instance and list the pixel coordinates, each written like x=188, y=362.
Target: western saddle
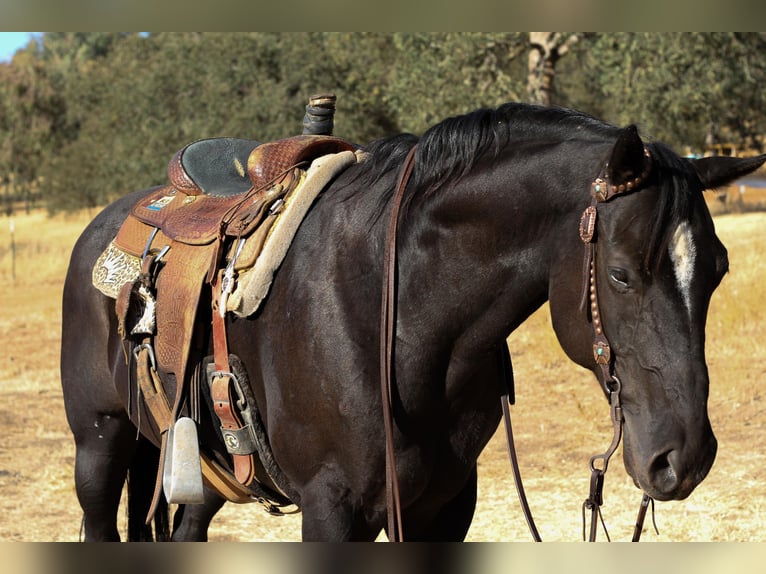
x=181, y=248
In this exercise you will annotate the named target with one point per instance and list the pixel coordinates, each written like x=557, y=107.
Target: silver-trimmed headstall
x=602, y=190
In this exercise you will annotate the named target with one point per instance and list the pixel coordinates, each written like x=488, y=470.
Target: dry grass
x=560, y=418
x=36, y=449
x=737, y=199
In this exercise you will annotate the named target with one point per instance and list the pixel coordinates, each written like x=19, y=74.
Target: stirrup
x=182, y=474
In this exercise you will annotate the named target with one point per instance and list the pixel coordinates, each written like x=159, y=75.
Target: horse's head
x=657, y=262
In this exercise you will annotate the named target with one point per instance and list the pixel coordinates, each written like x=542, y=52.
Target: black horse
x=488, y=232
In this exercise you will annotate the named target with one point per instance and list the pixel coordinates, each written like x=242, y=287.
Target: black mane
x=450, y=149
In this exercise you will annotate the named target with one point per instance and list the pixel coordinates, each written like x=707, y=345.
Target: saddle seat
x=219, y=186
x=213, y=166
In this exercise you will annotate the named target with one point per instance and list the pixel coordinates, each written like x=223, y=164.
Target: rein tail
x=141, y=477
x=507, y=398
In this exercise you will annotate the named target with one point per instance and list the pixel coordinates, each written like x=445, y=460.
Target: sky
x=12, y=41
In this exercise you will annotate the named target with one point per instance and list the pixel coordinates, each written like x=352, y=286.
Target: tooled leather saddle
x=221, y=190
x=184, y=243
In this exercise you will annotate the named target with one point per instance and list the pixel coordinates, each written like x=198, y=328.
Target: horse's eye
x=619, y=276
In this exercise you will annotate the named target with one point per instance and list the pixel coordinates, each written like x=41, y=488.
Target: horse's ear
x=627, y=159
x=721, y=170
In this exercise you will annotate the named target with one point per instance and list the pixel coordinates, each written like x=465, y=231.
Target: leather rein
x=387, y=328
x=602, y=190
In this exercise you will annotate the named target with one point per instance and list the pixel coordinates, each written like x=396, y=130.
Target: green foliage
x=448, y=73
x=681, y=86
x=30, y=123
x=86, y=117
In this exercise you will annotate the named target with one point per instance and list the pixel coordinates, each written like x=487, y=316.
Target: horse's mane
x=450, y=149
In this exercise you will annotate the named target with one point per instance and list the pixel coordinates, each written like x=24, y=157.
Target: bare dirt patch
x=560, y=419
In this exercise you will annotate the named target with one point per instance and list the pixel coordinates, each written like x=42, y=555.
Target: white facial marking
x=682, y=254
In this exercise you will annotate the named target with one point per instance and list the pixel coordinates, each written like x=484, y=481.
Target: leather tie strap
x=646, y=500
x=222, y=390
x=387, y=328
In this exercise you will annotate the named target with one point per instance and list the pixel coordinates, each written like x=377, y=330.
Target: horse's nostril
x=663, y=475
x=671, y=476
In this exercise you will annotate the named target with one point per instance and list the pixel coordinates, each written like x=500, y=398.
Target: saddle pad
x=253, y=284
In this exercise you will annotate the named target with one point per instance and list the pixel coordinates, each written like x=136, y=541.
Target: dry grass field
x=560, y=419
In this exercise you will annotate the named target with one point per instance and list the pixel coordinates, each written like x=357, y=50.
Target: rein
x=387, y=321
x=602, y=190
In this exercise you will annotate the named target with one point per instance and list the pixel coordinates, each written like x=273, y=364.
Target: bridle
x=602, y=190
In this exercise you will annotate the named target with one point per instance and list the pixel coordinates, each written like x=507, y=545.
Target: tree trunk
x=545, y=50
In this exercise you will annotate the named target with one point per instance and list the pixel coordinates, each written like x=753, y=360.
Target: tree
x=448, y=73
x=545, y=49
x=95, y=115
x=678, y=85
x=30, y=114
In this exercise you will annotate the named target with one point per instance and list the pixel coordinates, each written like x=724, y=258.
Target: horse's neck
x=475, y=263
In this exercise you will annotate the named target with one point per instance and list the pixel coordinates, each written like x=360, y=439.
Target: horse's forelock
x=677, y=183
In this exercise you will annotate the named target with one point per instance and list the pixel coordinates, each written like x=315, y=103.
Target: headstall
x=602, y=190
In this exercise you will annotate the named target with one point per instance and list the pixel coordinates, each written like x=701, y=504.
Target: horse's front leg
x=330, y=512
x=452, y=520
x=191, y=521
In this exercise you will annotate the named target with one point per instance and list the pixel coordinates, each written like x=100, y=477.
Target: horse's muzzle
x=673, y=474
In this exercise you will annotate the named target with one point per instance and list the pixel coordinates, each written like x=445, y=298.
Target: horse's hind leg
x=105, y=439
x=103, y=453
x=142, y=478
